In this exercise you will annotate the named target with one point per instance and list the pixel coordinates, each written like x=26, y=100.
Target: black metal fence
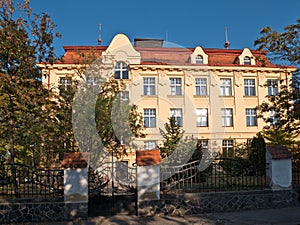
x=22, y=181
x=296, y=172
x=223, y=174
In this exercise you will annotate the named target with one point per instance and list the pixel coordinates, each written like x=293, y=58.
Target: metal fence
x=112, y=178
x=296, y=172
x=22, y=181
x=223, y=174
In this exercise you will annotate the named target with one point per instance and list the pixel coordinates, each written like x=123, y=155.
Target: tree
x=171, y=137
x=26, y=111
x=283, y=48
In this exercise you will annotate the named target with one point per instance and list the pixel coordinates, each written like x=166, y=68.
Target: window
x=204, y=145
x=92, y=81
x=249, y=87
x=225, y=87
x=251, y=117
x=149, y=85
x=124, y=95
x=175, y=85
x=201, y=86
x=227, y=147
x=227, y=120
x=273, y=117
x=177, y=114
x=272, y=86
x=247, y=60
x=149, y=145
x=199, y=59
x=201, y=117
x=65, y=84
x=150, y=118
x=121, y=71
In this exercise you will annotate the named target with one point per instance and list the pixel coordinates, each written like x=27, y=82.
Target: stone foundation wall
x=40, y=211
x=194, y=203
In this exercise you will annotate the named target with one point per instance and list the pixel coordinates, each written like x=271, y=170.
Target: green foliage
x=171, y=137
x=27, y=111
x=283, y=48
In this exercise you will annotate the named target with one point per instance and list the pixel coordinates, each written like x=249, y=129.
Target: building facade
x=212, y=93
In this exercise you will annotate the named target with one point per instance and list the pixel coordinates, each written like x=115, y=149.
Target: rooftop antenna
x=166, y=39
x=99, y=34
x=227, y=43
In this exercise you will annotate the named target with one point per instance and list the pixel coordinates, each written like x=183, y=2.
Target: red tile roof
x=164, y=56
x=75, y=160
x=279, y=152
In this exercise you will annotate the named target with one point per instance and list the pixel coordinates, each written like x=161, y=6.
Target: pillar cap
x=75, y=160
x=279, y=152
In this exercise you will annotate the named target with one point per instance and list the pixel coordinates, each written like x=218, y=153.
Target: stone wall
x=37, y=211
x=194, y=203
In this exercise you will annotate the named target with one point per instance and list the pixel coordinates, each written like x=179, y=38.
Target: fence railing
x=224, y=174
x=22, y=181
x=296, y=172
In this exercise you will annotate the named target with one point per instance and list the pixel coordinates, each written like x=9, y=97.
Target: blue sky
x=187, y=23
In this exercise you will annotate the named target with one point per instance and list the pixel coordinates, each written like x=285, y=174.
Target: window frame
x=177, y=114
x=227, y=117
x=121, y=68
x=149, y=88
x=66, y=85
x=202, y=118
x=149, y=117
x=249, y=88
x=147, y=145
x=251, y=117
x=247, y=60
x=227, y=146
x=273, y=89
x=199, y=59
x=224, y=87
x=175, y=87
x=201, y=87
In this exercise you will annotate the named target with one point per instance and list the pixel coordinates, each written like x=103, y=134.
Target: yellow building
x=212, y=93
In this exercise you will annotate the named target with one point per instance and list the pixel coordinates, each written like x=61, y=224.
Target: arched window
x=247, y=60
x=121, y=71
x=199, y=59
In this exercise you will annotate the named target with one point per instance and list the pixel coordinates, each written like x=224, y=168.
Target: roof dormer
x=246, y=58
x=199, y=56
x=121, y=50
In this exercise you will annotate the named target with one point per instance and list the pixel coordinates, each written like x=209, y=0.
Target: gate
x=112, y=189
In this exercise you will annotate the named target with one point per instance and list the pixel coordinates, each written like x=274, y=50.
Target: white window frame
x=273, y=119
x=247, y=60
x=202, y=117
x=150, y=145
x=204, y=144
x=225, y=87
x=149, y=86
x=64, y=83
x=121, y=70
x=201, y=86
x=249, y=87
x=272, y=86
x=227, y=146
x=177, y=114
x=175, y=86
x=227, y=117
x=149, y=118
x=199, y=59
x=251, y=117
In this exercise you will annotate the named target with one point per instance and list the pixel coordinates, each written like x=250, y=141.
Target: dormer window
x=199, y=59
x=121, y=71
x=247, y=60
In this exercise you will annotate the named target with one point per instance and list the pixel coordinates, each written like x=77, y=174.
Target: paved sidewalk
x=284, y=216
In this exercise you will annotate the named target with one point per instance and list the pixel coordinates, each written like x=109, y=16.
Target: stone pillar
x=148, y=175
x=279, y=167
x=76, y=191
